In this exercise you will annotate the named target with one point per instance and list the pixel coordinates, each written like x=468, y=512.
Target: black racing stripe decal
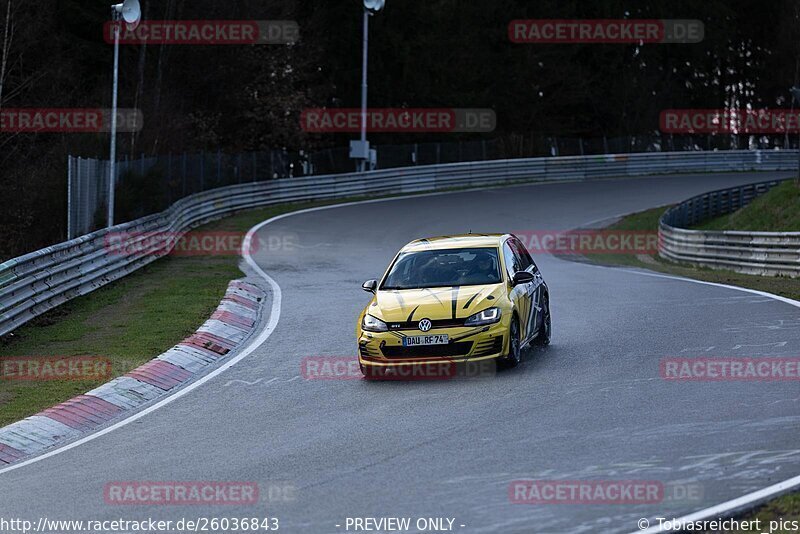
x=455, y=300
x=411, y=315
x=473, y=297
x=471, y=333
x=429, y=290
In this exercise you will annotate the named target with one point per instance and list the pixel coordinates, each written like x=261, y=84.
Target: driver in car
x=483, y=269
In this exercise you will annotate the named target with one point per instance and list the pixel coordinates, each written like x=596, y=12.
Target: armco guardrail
x=762, y=253
x=37, y=282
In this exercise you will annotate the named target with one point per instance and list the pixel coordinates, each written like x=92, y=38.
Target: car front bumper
x=467, y=344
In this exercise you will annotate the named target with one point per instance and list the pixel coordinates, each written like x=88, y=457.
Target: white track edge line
x=754, y=497
x=275, y=316
x=275, y=312
x=724, y=509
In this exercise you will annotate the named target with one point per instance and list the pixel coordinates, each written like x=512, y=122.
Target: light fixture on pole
x=131, y=13
x=360, y=149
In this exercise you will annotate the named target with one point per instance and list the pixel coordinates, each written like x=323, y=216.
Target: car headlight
x=373, y=324
x=487, y=316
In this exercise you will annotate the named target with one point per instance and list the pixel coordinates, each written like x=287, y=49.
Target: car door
x=534, y=288
x=520, y=295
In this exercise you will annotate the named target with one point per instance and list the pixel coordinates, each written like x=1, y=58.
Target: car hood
x=436, y=303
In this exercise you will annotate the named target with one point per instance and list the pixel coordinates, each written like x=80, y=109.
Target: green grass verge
x=775, y=211
x=129, y=321
x=786, y=508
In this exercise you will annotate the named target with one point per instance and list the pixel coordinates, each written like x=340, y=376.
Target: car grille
x=459, y=348
x=489, y=346
x=435, y=323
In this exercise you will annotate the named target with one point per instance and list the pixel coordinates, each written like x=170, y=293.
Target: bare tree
x=8, y=35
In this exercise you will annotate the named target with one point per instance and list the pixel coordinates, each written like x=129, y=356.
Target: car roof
x=455, y=241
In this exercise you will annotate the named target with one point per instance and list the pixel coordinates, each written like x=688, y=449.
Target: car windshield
x=442, y=268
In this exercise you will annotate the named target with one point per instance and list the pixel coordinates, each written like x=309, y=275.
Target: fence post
x=219, y=167
x=87, y=224
x=93, y=192
x=169, y=177
x=272, y=173
x=69, y=198
x=183, y=179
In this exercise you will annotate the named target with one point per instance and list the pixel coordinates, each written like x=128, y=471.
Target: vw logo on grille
x=425, y=325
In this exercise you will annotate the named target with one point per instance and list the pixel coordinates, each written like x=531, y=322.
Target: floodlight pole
x=112, y=167
x=796, y=98
x=362, y=164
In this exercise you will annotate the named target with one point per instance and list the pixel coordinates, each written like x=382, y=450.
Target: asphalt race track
x=590, y=406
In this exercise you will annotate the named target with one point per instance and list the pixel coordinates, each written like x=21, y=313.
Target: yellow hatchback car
x=457, y=299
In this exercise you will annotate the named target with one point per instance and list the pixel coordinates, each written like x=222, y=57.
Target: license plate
x=433, y=339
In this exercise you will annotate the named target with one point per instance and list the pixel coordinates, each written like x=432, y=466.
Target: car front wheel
x=514, y=352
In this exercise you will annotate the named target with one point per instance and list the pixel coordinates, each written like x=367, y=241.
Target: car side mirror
x=521, y=277
x=370, y=286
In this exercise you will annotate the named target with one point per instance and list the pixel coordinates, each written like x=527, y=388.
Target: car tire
x=514, y=356
x=543, y=337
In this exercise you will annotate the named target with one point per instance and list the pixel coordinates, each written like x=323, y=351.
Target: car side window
x=511, y=260
x=524, y=259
